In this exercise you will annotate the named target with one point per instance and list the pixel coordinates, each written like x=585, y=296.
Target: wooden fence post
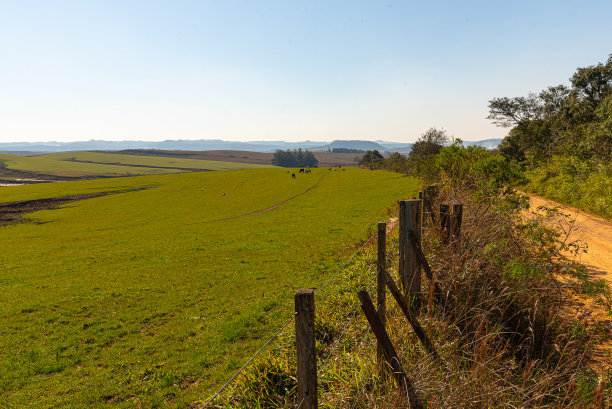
x=402, y=239
x=440, y=297
x=445, y=222
x=381, y=271
x=390, y=354
x=305, y=348
x=412, y=270
x=430, y=196
x=457, y=217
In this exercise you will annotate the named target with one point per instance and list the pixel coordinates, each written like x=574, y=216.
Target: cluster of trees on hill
x=294, y=158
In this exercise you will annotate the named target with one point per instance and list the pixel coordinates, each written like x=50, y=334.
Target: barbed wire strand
x=350, y=258
x=337, y=340
x=250, y=360
x=289, y=321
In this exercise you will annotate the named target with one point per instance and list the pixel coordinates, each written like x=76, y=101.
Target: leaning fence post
x=411, y=281
x=305, y=348
x=381, y=270
x=457, y=216
x=390, y=354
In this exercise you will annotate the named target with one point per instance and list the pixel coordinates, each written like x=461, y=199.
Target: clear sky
x=282, y=70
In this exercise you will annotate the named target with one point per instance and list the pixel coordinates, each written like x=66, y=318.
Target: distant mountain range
x=216, y=144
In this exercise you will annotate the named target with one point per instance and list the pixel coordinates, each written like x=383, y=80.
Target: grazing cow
x=302, y=170
x=293, y=176
x=307, y=171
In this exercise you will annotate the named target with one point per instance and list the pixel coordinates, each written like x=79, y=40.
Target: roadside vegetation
x=563, y=137
x=154, y=297
x=511, y=339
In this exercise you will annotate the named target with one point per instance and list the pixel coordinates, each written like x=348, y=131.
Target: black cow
x=293, y=176
x=302, y=170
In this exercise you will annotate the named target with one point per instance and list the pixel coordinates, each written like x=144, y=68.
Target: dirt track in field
x=271, y=207
x=596, y=232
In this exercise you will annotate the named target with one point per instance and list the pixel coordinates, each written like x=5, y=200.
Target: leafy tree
x=429, y=143
x=594, y=83
x=372, y=159
x=509, y=112
x=559, y=120
x=396, y=162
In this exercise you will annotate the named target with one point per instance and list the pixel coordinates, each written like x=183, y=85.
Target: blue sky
x=282, y=70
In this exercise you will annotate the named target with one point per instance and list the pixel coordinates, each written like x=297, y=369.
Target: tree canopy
x=294, y=158
x=560, y=120
x=429, y=143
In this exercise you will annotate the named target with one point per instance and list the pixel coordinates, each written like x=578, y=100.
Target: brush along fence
x=413, y=216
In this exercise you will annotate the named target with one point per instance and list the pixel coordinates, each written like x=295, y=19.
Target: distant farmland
x=325, y=159
x=154, y=297
x=91, y=164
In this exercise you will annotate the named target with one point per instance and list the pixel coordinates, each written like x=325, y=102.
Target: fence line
x=280, y=330
x=411, y=261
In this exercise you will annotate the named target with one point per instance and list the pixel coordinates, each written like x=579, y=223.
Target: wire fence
x=286, y=323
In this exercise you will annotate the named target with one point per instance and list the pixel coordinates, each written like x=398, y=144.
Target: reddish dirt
x=596, y=232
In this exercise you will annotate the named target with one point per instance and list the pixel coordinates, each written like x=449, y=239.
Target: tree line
x=294, y=158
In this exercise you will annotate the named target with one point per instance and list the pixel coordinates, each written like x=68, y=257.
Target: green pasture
x=148, y=299
x=80, y=164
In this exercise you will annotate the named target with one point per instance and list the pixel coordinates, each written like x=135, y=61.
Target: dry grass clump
x=506, y=341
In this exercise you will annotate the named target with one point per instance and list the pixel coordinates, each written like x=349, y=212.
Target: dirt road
x=597, y=233
x=593, y=230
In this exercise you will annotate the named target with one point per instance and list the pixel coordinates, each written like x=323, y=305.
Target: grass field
x=147, y=298
x=84, y=164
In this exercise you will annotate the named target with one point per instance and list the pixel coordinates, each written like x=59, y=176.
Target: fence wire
x=280, y=330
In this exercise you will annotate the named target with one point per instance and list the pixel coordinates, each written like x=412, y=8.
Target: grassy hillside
x=78, y=164
x=148, y=298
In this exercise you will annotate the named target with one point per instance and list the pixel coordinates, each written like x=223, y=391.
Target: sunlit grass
x=142, y=298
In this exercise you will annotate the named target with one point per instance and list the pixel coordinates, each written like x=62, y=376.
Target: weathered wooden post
x=457, y=217
x=402, y=240
x=429, y=196
x=411, y=281
x=381, y=270
x=305, y=348
x=445, y=222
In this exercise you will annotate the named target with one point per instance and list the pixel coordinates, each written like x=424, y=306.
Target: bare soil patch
x=12, y=212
